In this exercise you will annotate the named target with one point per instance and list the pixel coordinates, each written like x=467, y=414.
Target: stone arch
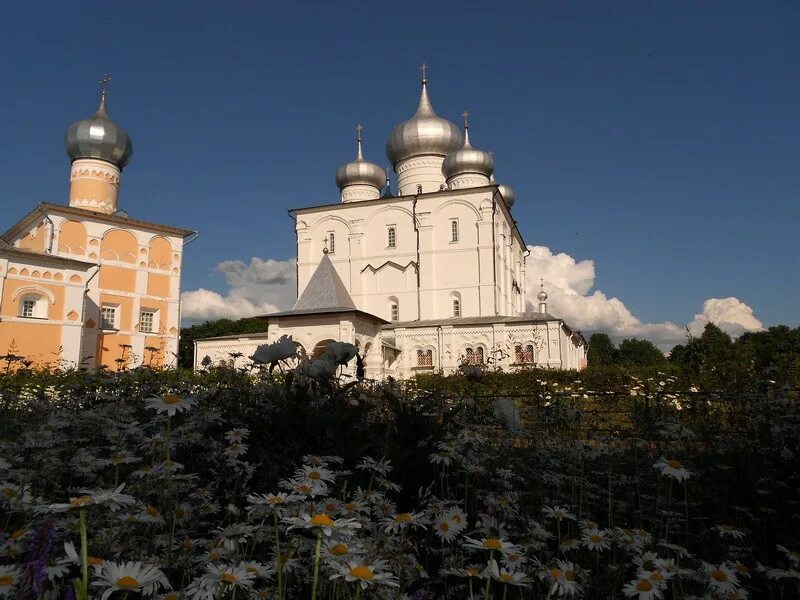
x=455, y=201
x=388, y=209
x=72, y=237
x=160, y=252
x=34, y=289
x=319, y=347
x=327, y=218
x=119, y=243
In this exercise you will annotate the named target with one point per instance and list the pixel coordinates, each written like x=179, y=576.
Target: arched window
x=394, y=310
x=479, y=355
x=331, y=242
x=454, y=230
x=424, y=358
x=475, y=355
x=391, y=237
x=529, y=354
x=519, y=355
x=456, y=307
x=33, y=306
x=470, y=356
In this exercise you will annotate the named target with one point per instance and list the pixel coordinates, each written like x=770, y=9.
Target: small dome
x=424, y=133
x=98, y=137
x=467, y=160
x=360, y=172
x=507, y=192
x=542, y=296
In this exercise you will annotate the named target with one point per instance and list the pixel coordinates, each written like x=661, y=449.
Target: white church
x=422, y=280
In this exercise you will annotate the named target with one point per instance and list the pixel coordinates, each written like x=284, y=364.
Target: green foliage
x=217, y=328
x=602, y=350
x=639, y=353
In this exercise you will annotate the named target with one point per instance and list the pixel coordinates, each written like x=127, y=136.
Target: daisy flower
x=402, y=521
x=130, y=577
x=340, y=549
x=556, y=512
x=381, y=467
x=170, y=404
x=721, y=577
x=595, y=540
x=562, y=579
x=729, y=531
x=365, y=574
x=492, y=544
x=569, y=544
x=237, y=435
x=642, y=589
x=792, y=555
x=9, y=579
x=112, y=498
x=323, y=522
x=672, y=468
x=506, y=576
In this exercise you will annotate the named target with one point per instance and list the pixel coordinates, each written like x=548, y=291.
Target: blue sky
x=657, y=139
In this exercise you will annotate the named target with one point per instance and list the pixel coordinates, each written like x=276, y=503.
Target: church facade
x=423, y=279
x=84, y=285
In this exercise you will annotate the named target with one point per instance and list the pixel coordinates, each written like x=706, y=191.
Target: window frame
x=455, y=231
x=391, y=236
x=37, y=304
x=104, y=322
x=331, y=242
x=153, y=323
x=394, y=311
x=457, y=307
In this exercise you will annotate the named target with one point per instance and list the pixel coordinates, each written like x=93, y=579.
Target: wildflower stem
x=471, y=596
x=316, y=568
x=488, y=576
x=358, y=592
x=505, y=591
x=84, y=554
x=278, y=558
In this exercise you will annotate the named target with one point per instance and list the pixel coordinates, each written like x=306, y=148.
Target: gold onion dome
x=359, y=171
x=99, y=137
x=423, y=134
x=467, y=160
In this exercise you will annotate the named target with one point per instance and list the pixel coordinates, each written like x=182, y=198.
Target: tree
x=214, y=329
x=602, y=350
x=640, y=353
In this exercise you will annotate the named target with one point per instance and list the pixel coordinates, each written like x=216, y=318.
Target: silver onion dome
x=424, y=133
x=467, y=159
x=507, y=192
x=98, y=137
x=359, y=171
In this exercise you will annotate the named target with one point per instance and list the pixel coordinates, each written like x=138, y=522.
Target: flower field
x=230, y=484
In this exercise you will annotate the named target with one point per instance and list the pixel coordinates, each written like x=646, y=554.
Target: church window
x=395, y=311
x=453, y=231
x=475, y=356
x=33, y=306
x=519, y=355
x=424, y=358
x=456, y=307
x=529, y=354
x=108, y=316
x=331, y=242
x=147, y=321
x=391, y=237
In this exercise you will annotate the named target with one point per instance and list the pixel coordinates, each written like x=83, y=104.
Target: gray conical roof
x=325, y=290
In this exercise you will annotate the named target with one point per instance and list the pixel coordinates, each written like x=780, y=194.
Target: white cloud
x=260, y=287
x=568, y=283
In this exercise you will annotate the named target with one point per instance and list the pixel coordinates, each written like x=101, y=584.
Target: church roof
x=7, y=248
x=325, y=290
x=487, y=320
x=325, y=293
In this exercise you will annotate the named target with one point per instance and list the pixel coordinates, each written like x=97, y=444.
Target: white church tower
x=434, y=275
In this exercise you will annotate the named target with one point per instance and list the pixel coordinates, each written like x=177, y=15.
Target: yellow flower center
x=172, y=399
x=643, y=586
x=127, y=583
x=513, y=557
x=315, y=475
x=595, y=538
x=330, y=507
x=171, y=596
x=719, y=575
x=227, y=577
x=506, y=577
x=351, y=506
x=339, y=550
x=362, y=572
x=251, y=570
x=180, y=513
x=94, y=561
x=492, y=544
x=118, y=459
x=569, y=575
x=472, y=572
x=591, y=525
x=322, y=520
x=556, y=573
x=444, y=526
x=15, y=535
x=152, y=511
x=402, y=518
x=6, y=580
x=304, y=489
x=674, y=464
x=80, y=500
x=214, y=555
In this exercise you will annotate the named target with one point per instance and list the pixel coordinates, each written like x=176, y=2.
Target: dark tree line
x=218, y=328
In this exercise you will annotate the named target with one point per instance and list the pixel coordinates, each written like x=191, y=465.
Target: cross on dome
x=465, y=114
x=424, y=68
x=105, y=84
